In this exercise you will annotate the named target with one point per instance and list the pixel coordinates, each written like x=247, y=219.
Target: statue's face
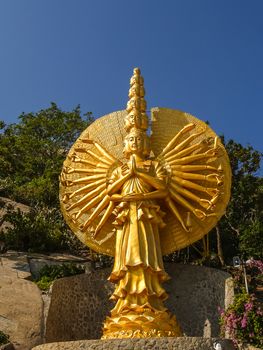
x=135, y=143
x=132, y=119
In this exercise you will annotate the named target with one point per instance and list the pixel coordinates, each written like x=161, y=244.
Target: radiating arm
x=92, y=203
x=171, y=144
x=191, y=185
x=175, y=155
x=86, y=188
x=104, y=218
x=195, y=157
x=184, y=143
x=96, y=212
x=153, y=181
x=176, y=213
x=87, y=197
x=115, y=186
x=205, y=203
x=198, y=167
x=214, y=178
x=158, y=194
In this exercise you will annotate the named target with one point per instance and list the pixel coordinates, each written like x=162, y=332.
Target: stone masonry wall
x=79, y=304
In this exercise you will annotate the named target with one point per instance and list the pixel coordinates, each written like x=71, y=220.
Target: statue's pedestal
x=179, y=343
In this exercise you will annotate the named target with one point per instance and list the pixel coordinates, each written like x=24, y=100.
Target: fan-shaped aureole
x=108, y=132
x=166, y=123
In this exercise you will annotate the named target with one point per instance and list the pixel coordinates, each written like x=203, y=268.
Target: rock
x=21, y=305
x=38, y=261
x=3, y=210
x=8, y=346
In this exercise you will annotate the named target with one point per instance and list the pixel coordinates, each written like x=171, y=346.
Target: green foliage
x=241, y=228
x=254, y=276
x=243, y=320
x=32, y=153
x=4, y=338
x=250, y=240
x=49, y=273
x=39, y=230
x=31, y=156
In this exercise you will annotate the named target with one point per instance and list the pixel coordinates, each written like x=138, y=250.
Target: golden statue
x=115, y=201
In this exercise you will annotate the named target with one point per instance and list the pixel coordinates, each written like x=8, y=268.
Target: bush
x=243, y=320
x=49, y=273
x=4, y=338
x=254, y=274
x=39, y=230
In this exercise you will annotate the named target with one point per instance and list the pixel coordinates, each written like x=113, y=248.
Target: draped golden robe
x=138, y=268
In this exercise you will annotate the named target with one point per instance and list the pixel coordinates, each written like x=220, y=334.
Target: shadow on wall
x=79, y=304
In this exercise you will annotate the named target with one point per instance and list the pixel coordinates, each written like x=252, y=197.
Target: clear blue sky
x=204, y=57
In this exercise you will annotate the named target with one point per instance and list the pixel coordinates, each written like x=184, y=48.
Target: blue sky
x=204, y=57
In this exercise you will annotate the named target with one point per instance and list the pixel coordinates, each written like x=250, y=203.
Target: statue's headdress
x=136, y=121
x=136, y=106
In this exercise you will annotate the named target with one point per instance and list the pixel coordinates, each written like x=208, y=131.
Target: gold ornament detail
x=161, y=193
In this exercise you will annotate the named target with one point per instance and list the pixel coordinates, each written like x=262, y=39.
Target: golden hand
x=133, y=166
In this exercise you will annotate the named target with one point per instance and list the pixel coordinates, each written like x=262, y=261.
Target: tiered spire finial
x=136, y=106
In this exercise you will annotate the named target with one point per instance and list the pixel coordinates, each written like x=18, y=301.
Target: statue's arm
x=151, y=180
x=158, y=194
x=117, y=182
x=155, y=194
x=157, y=181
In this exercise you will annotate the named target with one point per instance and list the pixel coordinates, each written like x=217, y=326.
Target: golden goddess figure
x=115, y=201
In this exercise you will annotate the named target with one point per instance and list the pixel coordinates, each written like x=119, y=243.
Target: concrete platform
x=180, y=343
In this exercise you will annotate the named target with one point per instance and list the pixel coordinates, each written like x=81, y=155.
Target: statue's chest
x=143, y=167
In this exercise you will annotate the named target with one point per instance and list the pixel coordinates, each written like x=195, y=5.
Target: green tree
x=241, y=227
x=33, y=150
x=31, y=157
